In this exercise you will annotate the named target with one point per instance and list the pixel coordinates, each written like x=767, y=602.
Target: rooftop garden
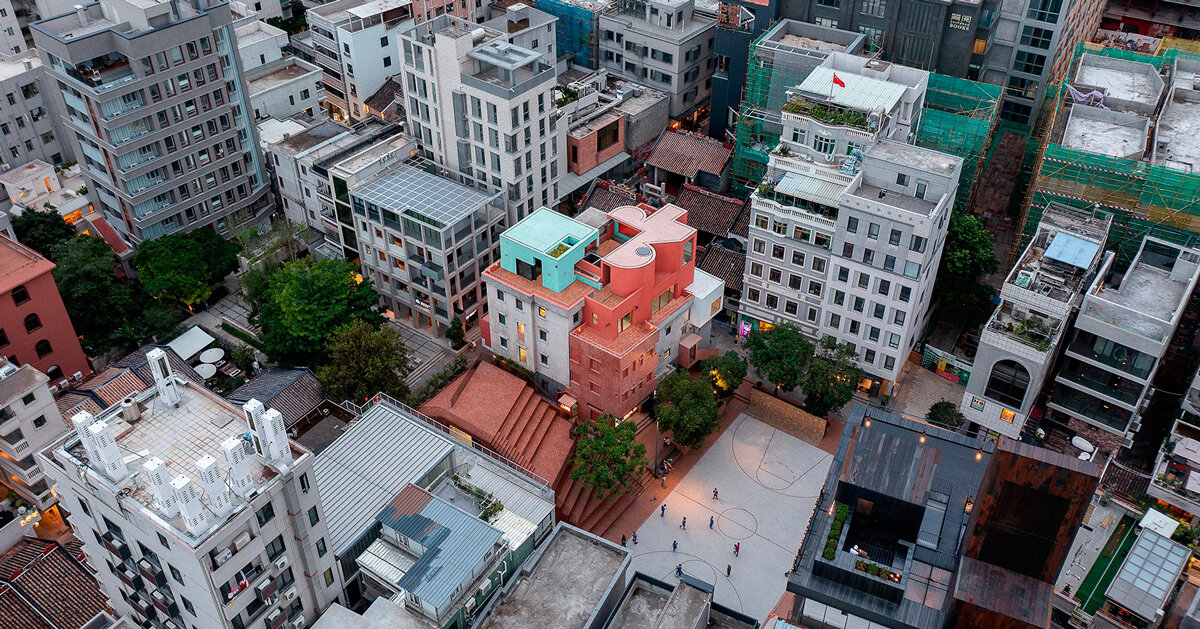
x=841, y=513
x=827, y=113
x=1030, y=331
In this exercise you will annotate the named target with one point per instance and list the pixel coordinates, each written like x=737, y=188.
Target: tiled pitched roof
x=385, y=96
x=136, y=360
x=607, y=200
x=42, y=585
x=688, y=153
x=724, y=264
x=292, y=392
x=708, y=212
x=127, y=375
x=741, y=224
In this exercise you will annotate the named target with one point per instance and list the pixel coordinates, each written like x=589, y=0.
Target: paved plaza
x=768, y=483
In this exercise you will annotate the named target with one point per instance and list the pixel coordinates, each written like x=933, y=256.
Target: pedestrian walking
x=679, y=570
x=663, y=480
x=683, y=525
x=634, y=538
x=710, y=521
x=714, y=493
x=674, y=545
x=622, y=540
x=737, y=548
x=662, y=510
x=728, y=569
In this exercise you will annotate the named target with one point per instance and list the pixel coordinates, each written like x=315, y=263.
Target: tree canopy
x=686, y=408
x=945, y=414
x=183, y=266
x=364, y=361
x=42, y=231
x=725, y=372
x=781, y=354
x=306, y=301
x=833, y=374
x=608, y=456
x=967, y=256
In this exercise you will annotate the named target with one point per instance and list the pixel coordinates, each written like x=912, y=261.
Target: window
x=304, y=486
x=175, y=574
x=1008, y=383
x=777, y=252
x=878, y=310
x=884, y=287
x=789, y=307
x=775, y=275
x=917, y=243
x=542, y=335
x=1029, y=63
x=898, y=317
x=873, y=334
x=772, y=301
x=835, y=321
x=500, y=295
x=1022, y=87
x=818, y=265
x=779, y=228
x=912, y=270
x=889, y=362
x=859, y=304
x=275, y=548
x=41, y=421
x=843, y=274
x=795, y=282
x=1036, y=37
x=752, y=295
x=893, y=340
x=905, y=294
x=20, y=295
x=864, y=280
x=321, y=547
x=869, y=357
x=868, y=256
x=889, y=263
x=852, y=225
x=800, y=233
x=43, y=348
x=329, y=577
x=265, y=514
x=901, y=179
x=814, y=288
x=839, y=298
x=822, y=144
x=756, y=269
x=829, y=3
x=28, y=399
x=759, y=246
x=187, y=605
x=761, y=221
x=545, y=360
x=847, y=250
x=874, y=7
x=32, y=322
x=1044, y=10
x=894, y=238
x=797, y=259
x=873, y=231
x=542, y=311
x=313, y=516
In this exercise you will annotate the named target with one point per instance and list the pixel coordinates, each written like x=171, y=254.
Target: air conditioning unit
x=281, y=563
x=470, y=604
x=223, y=556
x=485, y=587
x=241, y=541
x=299, y=623
x=290, y=594
x=276, y=619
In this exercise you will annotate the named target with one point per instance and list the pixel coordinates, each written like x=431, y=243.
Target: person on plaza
x=714, y=493
x=683, y=525
x=662, y=510
x=674, y=545
x=622, y=540
x=679, y=570
x=728, y=569
x=634, y=538
x=737, y=548
x=710, y=521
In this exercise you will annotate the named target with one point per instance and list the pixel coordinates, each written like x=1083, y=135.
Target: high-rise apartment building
x=193, y=512
x=155, y=104
x=847, y=228
x=665, y=44
x=484, y=108
x=34, y=327
x=28, y=131
x=355, y=44
x=29, y=421
x=602, y=306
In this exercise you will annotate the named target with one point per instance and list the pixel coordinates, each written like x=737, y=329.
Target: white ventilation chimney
x=160, y=486
x=80, y=14
x=281, y=450
x=254, y=411
x=107, y=455
x=239, y=467
x=188, y=496
x=219, y=499
x=130, y=410
x=164, y=379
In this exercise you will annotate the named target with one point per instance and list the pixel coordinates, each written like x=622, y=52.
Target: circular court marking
x=737, y=524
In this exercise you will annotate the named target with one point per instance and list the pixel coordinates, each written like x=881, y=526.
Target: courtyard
x=768, y=482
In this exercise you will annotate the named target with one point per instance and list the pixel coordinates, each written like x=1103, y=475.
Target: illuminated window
x=1007, y=416
x=521, y=352
x=542, y=312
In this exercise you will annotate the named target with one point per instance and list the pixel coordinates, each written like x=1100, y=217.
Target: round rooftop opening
x=643, y=251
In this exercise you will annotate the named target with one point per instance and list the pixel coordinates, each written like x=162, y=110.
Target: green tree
x=42, y=231
x=832, y=376
x=183, y=266
x=455, y=333
x=967, y=256
x=608, y=456
x=308, y=299
x=725, y=372
x=945, y=414
x=781, y=354
x=97, y=301
x=255, y=283
x=686, y=408
x=364, y=361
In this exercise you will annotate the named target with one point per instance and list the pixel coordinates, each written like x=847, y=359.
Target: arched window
x=43, y=348
x=54, y=373
x=32, y=322
x=1008, y=383
x=20, y=295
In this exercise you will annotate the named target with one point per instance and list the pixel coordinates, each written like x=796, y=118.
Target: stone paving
x=920, y=389
x=768, y=482
x=429, y=355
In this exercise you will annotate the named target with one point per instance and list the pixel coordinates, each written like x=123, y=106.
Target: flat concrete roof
x=1113, y=133
x=570, y=580
x=1129, y=81
x=915, y=156
x=285, y=73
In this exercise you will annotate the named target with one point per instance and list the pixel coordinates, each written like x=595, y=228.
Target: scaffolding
x=1144, y=198
x=575, y=32
x=958, y=117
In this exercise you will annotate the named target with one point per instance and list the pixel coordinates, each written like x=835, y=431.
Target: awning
x=191, y=342
x=811, y=188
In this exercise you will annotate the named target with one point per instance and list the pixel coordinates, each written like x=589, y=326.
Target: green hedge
x=248, y=338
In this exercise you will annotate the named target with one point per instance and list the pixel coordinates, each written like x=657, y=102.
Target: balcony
x=103, y=73
x=1034, y=331
x=130, y=578
x=829, y=115
x=165, y=603
x=143, y=606
x=152, y=573
x=116, y=545
x=1091, y=409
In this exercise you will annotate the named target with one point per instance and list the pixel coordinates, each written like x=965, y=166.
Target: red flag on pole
x=838, y=82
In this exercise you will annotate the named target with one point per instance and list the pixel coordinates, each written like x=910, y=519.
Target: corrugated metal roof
x=862, y=93
x=515, y=498
x=455, y=544
x=364, y=468
x=386, y=561
x=811, y=189
x=1072, y=250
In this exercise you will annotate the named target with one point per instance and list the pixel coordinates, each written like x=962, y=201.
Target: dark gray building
x=739, y=22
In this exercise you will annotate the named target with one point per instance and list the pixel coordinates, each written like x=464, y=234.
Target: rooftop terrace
x=1149, y=297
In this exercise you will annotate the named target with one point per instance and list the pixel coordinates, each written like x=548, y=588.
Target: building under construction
x=1124, y=137
x=958, y=117
x=576, y=28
